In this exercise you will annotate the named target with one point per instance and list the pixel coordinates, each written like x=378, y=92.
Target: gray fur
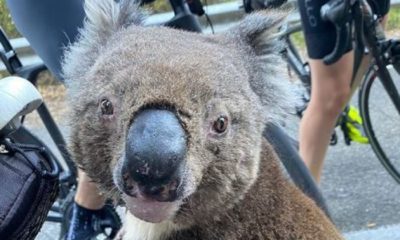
x=103, y=19
x=256, y=32
x=233, y=186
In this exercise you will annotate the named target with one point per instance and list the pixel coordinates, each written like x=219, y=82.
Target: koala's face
x=169, y=121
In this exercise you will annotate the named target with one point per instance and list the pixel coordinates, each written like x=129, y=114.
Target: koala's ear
x=103, y=19
x=256, y=31
x=256, y=39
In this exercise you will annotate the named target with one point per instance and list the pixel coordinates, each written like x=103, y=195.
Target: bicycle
x=184, y=19
x=375, y=57
x=61, y=210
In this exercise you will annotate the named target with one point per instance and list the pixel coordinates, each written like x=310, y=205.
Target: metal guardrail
x=222, y=15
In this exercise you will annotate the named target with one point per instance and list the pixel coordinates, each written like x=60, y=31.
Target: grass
x=394, y=19
x=298, y=40
x=160, y=6
x=3, y=74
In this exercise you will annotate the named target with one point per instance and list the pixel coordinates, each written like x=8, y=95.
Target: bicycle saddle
x=17, y=97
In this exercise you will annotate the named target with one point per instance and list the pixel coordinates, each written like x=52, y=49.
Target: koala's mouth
x=153, y=202
x=151, y=210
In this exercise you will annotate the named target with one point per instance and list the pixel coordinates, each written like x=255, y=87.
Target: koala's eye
x=106, y=107
x=221, y=124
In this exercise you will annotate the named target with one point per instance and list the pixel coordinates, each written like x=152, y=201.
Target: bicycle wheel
x=381, y=119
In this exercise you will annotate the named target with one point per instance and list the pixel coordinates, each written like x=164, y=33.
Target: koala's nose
x=155, y=147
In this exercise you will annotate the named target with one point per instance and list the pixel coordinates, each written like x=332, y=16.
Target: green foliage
x=160, y=6
x=394, y=19
x=6, y=22
x=3, y=74
x=298, y=40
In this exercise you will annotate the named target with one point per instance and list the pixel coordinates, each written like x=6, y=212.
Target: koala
x=169, y=123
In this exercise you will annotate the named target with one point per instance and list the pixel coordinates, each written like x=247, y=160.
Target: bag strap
x=7, y=146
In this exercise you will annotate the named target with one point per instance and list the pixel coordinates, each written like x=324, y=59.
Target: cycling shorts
x=320, y=35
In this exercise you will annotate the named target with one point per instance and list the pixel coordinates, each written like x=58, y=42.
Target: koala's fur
x=236, y=189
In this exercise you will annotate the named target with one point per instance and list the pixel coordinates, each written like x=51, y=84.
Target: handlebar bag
x=28, y=188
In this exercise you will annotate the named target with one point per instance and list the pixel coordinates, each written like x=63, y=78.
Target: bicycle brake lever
x=337, y=12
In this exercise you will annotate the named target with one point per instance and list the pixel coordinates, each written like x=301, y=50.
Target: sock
x=82, y=223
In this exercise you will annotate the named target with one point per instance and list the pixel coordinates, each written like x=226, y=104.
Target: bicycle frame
x=380, y=52
x=378, y=49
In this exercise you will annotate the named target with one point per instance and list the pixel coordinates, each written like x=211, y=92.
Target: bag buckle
x=3, y=149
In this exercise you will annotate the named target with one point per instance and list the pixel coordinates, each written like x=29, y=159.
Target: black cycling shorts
x=320, y=35
x=380, y=7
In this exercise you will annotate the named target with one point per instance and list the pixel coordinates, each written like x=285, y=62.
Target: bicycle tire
x=370, y=81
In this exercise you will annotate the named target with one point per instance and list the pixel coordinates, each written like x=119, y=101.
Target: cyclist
x=330, y=83
x=49, y=26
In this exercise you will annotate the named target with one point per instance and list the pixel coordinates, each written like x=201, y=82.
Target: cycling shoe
x=354, y=126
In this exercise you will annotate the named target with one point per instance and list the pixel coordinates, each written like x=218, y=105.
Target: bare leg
x=384, y=21
x=87, y=193
x=330, y=92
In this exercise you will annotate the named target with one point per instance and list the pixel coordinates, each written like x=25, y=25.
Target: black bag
x=28, y=189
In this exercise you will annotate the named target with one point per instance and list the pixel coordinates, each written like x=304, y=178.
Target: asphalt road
x=359, y=191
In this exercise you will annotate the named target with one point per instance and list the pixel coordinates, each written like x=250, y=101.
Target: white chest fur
x=136, y=229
